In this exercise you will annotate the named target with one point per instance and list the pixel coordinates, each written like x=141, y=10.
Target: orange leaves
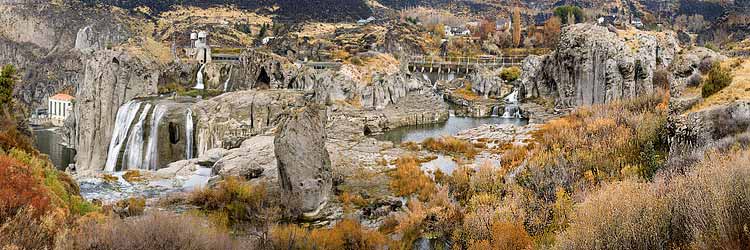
x=19, y=188
x=347, y=234
x=451, y=145
x=408, y=179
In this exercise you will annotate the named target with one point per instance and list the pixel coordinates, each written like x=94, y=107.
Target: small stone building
x=59, y=107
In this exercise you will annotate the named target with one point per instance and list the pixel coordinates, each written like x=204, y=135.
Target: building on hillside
x=502, y=24
x=59, y=107
x=199, y=48
x=366, y=21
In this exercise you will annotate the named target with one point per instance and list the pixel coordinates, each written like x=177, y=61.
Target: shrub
x=625, y=215
x=510, y=74
x=20, y=188
x=718, y=78
x=154, y=231
x=237, y=200
x=347, y=234
x=705, y=208
x=409, y=179
x=7, y=84
x=27, y=230
x=356, y=60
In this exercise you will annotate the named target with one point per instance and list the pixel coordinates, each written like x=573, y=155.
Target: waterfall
x=226, y=83
x=512, y=97
x=125, y=115
x=495, y=111
x=512, y=109
x=189, y=134
x=152, y=155
x=199, y=78
x=133, y=157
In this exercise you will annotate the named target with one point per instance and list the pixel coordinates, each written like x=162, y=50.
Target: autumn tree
x=552, y=31
x=516, y=27
x=486, y=29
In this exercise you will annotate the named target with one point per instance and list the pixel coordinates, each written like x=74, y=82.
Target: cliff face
x=225, y=121
x=40, y=38
x=111, y=78
x=592, y=65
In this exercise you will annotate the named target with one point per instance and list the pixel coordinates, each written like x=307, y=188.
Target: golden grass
x=408, y=179
x=452, y=146
x=739, y=89
x=467, y=93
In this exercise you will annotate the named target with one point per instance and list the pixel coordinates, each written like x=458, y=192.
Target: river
x=48, y=142
x=449, y=128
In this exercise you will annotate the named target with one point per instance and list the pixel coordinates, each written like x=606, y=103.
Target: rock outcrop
x=40, y=37
x=253, y=160
x=227, y=120
x=111, y=78
x=699, y=129
x=592, y=65
x=303, y=162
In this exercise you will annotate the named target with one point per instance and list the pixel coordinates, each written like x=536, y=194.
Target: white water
x=152, y=155
x=189, y=134
x=226, y=83
x=199, y=78
x=134, y=149
x=512, y=110
x=125, y=115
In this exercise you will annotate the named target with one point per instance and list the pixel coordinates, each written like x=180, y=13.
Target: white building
x=199, y=48
x=59, y=108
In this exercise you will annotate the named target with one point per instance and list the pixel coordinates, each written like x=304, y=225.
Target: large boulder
x=254, y=160
x=111, y=79
x=303, y=161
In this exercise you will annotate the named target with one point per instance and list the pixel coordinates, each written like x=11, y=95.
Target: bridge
x=416, y=63
x=462, y=64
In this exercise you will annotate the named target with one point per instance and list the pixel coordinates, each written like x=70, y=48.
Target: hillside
x=289, y=10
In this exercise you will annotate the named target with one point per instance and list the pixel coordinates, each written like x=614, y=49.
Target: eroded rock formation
x=592, y=65
x=303, y=162
x=111, y=79
x=227, y=120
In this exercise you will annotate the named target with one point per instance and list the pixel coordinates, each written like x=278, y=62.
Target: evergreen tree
x=7, y=83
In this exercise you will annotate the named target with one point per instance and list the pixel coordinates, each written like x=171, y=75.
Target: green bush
x=510, y=74
x=718, y=78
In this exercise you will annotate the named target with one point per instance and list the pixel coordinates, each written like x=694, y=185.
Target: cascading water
x=226, y=83
x=512, y=109
x=199, y=78
x=136, y=138
x=152, y=155
x=189, y=134
x=125, y=115
x=133, y=157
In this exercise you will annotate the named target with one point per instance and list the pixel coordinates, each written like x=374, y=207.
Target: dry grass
x=467, y=93
x=346, y=234
x=408, y=179
x=451, y=145
x=706, y=208
x=599, y=144
x=153, y=231
x=235, y=201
